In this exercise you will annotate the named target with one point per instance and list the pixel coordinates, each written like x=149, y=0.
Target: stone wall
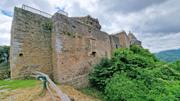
x=30, y=44
x=115, y=42
x=65, y=48
x=133, y=39
x=88, y=20
x=76, y=47
x=124, y=40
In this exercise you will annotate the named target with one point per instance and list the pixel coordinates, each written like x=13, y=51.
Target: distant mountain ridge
x=169, y=55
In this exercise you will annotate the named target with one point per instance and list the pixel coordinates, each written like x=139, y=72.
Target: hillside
x=135, y=74
x=169, y=55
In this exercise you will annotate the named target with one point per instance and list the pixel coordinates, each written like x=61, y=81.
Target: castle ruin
x=63, y=47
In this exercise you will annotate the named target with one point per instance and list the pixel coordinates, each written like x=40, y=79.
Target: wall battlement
x=63, y=47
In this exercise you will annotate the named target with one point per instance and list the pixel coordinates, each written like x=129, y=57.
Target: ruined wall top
x=89, y=21
x=131, y=36
x=133, y=39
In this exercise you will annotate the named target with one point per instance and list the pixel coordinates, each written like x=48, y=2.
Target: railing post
x=60, y=94
x=31, y=9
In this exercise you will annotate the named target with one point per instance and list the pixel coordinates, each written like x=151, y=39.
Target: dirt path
x=33, y=94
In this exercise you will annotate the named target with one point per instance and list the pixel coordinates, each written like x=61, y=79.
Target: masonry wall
x=124, y=40
x=115, y=42
x=76, y=47
x=30, y=44
x=66, y=48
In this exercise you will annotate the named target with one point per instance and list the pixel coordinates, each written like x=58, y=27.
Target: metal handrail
x=51, y=84
x=34, y=10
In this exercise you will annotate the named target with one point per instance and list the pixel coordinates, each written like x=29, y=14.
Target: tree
x=4, y=54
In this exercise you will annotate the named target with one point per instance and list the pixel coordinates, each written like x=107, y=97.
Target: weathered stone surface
x=124, y=40
x=133, y=39
x=81, y=47
x=30, y=44
x=67, y=52
x=88, y=20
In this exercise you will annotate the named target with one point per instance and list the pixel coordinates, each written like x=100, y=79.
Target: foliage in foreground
x=136, y=75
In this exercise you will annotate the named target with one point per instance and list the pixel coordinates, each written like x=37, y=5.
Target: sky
x=155, y=22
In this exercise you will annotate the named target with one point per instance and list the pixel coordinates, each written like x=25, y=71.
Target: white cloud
x=159, y=42
x=155, y=22
x=5, y=27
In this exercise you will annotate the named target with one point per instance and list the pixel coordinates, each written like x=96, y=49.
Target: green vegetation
x=15, y=84
x=4, y=62
x=169, y=55
x=4, y=54
x=47, y=26
x=4, y=66
x=136, y=75
x=72, y=34
x=4, y=71
x=93, y=92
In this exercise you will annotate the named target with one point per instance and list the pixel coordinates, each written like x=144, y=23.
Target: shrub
x=123, y=88
x=99, y=75
x=4, y=54
x=123, y=60
x=144, y=52
x=136, y=75
x=4, y=71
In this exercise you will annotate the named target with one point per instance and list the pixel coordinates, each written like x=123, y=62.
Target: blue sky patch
x=60, y=8
x=7, y=13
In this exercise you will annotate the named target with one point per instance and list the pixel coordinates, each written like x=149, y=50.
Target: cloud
x=5, y=26
x=159, y=42
x=162, y=18
x=155, y=22
x=127, y=6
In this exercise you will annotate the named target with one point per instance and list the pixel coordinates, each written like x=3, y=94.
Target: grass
x=93, y=92
x=15, y=84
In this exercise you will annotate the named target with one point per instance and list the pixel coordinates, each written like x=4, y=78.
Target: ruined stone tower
x=63, y=47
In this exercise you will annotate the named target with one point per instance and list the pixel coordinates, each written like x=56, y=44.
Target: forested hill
x=169, y=55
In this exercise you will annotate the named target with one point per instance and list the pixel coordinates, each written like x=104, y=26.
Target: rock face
x=63, y=47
